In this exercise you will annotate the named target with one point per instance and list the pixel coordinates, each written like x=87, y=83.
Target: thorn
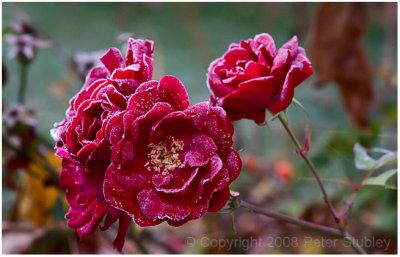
x=307, y=141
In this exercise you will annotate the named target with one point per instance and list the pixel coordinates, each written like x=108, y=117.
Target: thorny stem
x=304, y=155
x=302, y=223
x=315, y=172
x=291, y=220
x=345, y=211
x=22, y=83
x=321, y=185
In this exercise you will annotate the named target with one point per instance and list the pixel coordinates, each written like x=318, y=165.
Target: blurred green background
x=188, y=36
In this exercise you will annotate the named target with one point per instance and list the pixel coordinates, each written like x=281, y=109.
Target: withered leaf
x=337, y=54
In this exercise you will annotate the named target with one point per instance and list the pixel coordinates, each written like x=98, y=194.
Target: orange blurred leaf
x=36, y=198
x=284, y=170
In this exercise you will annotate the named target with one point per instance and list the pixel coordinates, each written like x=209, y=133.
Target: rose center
x=164, y=157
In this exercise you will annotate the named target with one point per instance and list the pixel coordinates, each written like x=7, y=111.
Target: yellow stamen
x=164, y=160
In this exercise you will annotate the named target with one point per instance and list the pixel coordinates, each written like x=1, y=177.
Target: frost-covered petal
x=251, y=76
x=113, y=59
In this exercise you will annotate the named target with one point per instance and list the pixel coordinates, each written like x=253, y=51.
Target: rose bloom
x=134, y=149
x=170, y=162
x=85, y=153
x=251, y=77
x=106, y=91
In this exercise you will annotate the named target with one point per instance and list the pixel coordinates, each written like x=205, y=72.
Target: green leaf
x=363, y=161
x=381, y=179
x=387, y=158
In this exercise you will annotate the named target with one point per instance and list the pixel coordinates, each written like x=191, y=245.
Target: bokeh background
x=352, y=97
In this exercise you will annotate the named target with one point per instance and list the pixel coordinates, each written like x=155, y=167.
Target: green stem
x=332, y=210
x=289, y=131
x=305, y=224
x=315, y=172
x=22, y=83
x=138, y=242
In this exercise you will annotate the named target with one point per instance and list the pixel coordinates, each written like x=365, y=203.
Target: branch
x=346, y=209
x=291, y=220
x=315, y=172
x=302, y=223
x=304, y=154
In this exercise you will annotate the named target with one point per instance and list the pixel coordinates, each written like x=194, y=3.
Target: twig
x=291, y=220
x=332, y=210
x=346, y=209
x=328, y=230
x=315, y=172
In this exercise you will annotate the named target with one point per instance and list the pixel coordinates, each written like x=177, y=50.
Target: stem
x=22, y=83
x=138, y=242
x=332, y=210
x=302, y=223
x=346, y=209
x=315, y=172
x=321, y=185
x=289, y=131
x=291, y=220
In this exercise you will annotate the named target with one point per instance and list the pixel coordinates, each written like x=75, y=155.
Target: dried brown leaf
x=337, y=55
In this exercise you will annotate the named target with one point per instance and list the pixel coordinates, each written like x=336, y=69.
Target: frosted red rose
x=106, y=91
x=134, y=149
x=170, y=162
x=251, y=77
x=85, y=153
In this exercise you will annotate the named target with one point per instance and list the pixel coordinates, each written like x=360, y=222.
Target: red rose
x=80, y=142
x=136, y=68
x=107, y=89
x=170, y=162
x=133, y=148
x=251, y=77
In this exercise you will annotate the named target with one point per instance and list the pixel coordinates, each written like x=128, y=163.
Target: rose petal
x=252, y=96
x=285, y=97
x=200, y=150
x=124, y=223
x=113, y=60
x=99, y=72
